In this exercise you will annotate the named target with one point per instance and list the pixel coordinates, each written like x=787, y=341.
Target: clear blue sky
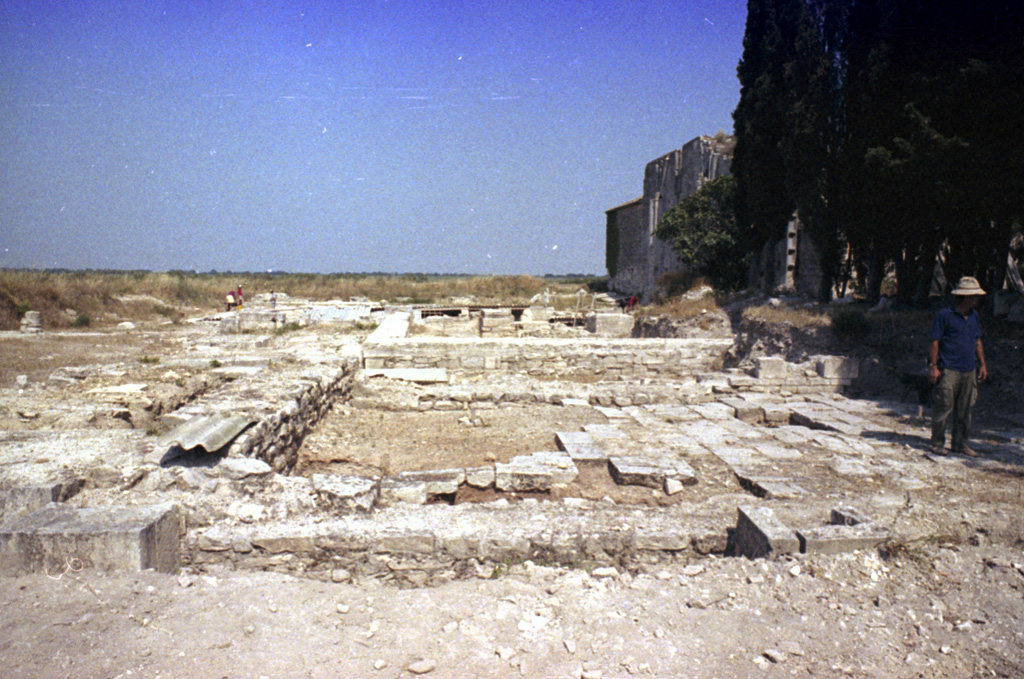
x=345, y=136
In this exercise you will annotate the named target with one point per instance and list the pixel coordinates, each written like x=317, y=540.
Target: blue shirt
x=958, y=335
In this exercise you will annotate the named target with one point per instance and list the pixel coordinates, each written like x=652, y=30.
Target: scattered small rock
x=693, y=569
x=422, y=667
x=605, y=572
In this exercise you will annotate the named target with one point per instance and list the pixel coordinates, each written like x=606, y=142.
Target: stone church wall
x=643, y=258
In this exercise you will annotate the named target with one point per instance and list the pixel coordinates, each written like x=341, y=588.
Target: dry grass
x=812, y=317
x=105, y=297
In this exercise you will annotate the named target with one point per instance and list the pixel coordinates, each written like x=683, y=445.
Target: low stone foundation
x=603, y=358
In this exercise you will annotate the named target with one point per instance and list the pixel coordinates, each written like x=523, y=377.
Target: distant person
x=231, y=300
x=956, y=361
x=238, y=297
x=273, y=300
x=631, y=304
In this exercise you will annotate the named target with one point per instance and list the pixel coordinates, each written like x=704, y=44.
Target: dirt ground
x=940, y=611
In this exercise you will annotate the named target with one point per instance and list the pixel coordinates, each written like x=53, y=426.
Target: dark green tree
x=703, y=232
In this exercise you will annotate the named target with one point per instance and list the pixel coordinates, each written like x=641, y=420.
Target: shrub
x=81, y=321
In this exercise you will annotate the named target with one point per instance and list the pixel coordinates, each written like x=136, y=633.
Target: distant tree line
x=894, y=129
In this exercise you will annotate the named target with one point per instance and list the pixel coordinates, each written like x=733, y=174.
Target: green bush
x=81, y=321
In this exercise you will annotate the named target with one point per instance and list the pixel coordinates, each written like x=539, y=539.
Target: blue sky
x=386, y=135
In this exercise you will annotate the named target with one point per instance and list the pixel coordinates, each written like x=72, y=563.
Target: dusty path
x=936, y=612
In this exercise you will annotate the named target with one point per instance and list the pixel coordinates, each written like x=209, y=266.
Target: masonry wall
x=604, y=357
x=631, y=263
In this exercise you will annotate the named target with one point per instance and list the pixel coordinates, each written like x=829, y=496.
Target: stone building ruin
x=637, y=258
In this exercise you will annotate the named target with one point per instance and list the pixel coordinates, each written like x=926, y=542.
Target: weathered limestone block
x=437, y=482
x=563, y=469
x=837, y=367
x=770, y=367
x=610, y=324
x=346, y=493
x=652, y=473
x=841, y=538
x=25, y=499
x=398, y=489
x=580, y=446
x=284, y=544
x=760, y=533
x=744, y=410
x=480, y=477
x=114, y=538
x=523, y=477
x=412, y=542
x=241, y=468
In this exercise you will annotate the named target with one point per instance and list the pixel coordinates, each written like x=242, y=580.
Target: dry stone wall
x=605, y=358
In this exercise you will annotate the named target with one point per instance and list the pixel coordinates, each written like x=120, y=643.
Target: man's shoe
x=966, y=450
x=937, y=450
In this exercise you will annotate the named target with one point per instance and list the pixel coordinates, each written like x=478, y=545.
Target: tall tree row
x=893, y=128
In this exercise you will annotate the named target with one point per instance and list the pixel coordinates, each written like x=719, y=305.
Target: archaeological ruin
x=644, y=450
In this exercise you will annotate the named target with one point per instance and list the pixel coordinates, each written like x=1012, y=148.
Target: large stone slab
x=628, y=470
x=110, y=538
x=580, y=446
x=760, y=533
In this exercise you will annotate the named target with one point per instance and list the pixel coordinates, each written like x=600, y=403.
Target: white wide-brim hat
x=968, y=285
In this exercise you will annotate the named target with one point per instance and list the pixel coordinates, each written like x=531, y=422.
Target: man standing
x=956, y=361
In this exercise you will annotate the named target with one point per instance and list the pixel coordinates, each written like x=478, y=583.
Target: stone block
x=405, y=543
x=841, y=538
x=240, y=468
x=25, y=499
x=744, y=410
x=837, y=367
x=523, y=477
x=346, y=493
x=395, y=490
x=284, y=544
x=111, y=538
x=480, y=477
x=775, y=414
x=563, y=469
x=652, y=473
x=760, y=533
x=437, y=482
x=580, y=446
x=772, y=488
x=770, y=368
